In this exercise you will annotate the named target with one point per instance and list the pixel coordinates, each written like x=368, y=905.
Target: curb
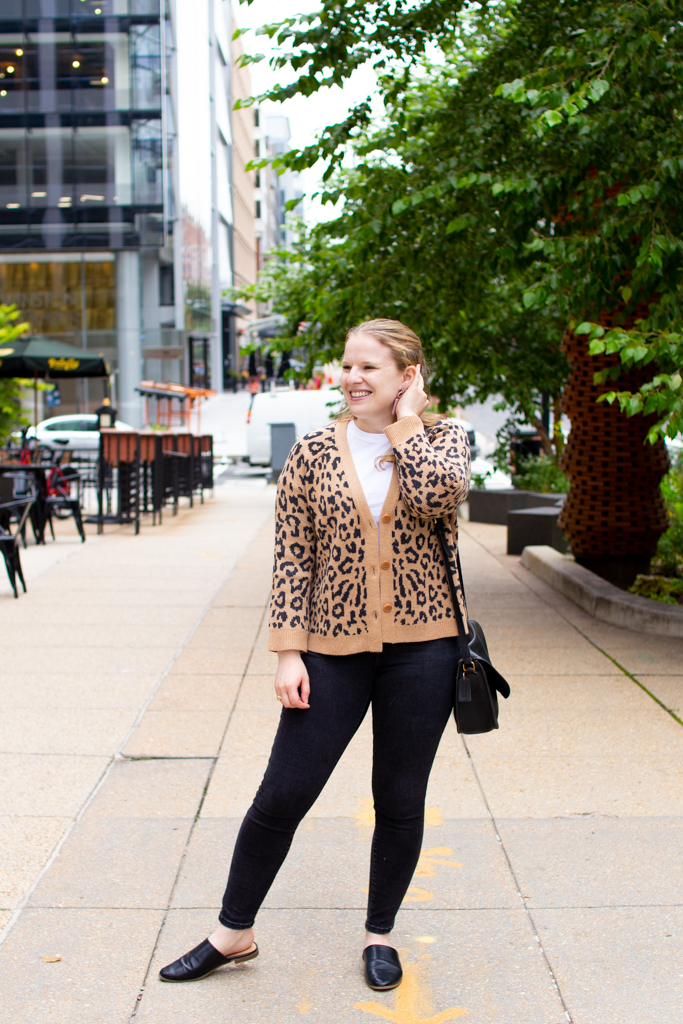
x=601, y=599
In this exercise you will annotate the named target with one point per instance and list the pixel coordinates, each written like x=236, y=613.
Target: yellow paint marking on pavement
x=429, y=858
x=427, y=939
x=419, y=895
x=308, y=981
x=366, y=814
x=433, y=816
x=412, y=1003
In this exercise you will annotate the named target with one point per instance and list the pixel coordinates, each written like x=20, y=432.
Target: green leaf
x=457, y=224
x=634, y=353
x=598, y=88
x=528, y=299
x=626, y=293
x=553, y=117
x=509, y=88
x=584, y=328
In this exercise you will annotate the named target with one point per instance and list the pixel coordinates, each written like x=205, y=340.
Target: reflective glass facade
x=122, y=188
x=81, y=154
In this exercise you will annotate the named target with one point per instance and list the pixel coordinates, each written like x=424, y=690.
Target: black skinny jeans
x=410, y=687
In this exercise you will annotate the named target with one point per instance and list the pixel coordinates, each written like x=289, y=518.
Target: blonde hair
x=406, y=349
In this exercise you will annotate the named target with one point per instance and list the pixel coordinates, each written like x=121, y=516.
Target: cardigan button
x=386, y=565
x=386, y=519
x=388, y=607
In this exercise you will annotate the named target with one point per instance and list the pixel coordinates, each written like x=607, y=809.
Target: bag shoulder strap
x=459, y=621
x=462, y=582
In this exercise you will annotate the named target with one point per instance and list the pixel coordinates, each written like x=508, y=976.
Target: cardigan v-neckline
x=355, y=487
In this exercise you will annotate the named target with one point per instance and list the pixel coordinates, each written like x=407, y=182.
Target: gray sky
x=307, y=115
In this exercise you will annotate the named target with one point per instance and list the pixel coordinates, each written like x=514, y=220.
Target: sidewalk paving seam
x=118, y=756
x=627, y=673
x=523, y=901
x=198, y=812
x=597, y=647
x=167, y=757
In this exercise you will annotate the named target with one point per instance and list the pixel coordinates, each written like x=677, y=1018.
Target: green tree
x=11, y=415
x=527, y=181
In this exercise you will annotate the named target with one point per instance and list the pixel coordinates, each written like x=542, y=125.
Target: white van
x=307, y=410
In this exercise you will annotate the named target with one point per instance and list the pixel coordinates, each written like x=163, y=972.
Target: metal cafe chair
x=62, y=481
x=20, y=509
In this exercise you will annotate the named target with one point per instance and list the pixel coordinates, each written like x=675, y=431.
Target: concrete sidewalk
x=549, y=888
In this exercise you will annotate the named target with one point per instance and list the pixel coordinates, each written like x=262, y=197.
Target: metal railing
x=142, y=473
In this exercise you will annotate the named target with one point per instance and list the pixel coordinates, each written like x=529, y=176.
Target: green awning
x=37, y=356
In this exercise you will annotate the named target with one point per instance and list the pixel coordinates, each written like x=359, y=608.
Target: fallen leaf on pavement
x=51, y=959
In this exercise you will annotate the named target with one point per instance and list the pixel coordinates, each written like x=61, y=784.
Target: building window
x=256, y=117
x=73, y=163
x=258, y=209
x=166, y=286
x=257, y=180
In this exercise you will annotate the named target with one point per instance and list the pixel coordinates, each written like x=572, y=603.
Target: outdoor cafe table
x=39, y=511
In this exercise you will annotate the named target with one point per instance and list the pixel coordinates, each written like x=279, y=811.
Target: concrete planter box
x=601, y=599
x=531, y=526
x=493, y=506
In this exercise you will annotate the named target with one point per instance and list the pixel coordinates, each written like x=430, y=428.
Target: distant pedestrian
x=360, y=615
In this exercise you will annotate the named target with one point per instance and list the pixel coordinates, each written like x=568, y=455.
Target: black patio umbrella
x=35, y=356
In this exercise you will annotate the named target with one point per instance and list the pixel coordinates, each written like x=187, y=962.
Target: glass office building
x=81, y=149
x=98, y=244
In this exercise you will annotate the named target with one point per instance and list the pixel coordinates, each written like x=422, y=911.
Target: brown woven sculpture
x=614, y=513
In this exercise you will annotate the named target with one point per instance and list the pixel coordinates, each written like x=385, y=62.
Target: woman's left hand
x=414, y=399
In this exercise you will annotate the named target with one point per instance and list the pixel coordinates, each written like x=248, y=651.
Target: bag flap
x=477, y=641
x=480, y=652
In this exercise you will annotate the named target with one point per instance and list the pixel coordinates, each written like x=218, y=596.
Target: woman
x=360, y=614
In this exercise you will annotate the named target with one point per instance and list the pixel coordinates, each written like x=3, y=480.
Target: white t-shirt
x=365, y=449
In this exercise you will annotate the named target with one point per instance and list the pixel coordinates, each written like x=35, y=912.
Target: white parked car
x=78, y=431
x=307, y=410
x=470, y=431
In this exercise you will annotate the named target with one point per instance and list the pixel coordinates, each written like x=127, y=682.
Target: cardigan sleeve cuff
x=402, y=430
x=287, y=640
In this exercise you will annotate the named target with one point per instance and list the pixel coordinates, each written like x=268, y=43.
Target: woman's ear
x=409, y=375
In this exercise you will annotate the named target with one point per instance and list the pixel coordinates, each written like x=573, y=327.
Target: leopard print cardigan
x=338, y=588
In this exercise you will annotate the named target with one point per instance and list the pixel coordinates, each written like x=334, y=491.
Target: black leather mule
x=382, y=967
x=201, y=961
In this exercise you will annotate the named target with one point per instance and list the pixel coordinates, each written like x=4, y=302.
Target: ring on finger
x=278, y=697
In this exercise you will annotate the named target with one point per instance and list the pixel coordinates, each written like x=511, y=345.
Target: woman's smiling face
x=370, y=378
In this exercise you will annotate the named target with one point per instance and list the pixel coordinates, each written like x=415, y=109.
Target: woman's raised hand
x=291, y=680
x=414, y=399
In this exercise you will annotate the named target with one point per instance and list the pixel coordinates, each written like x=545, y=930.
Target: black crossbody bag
x=477, y=682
